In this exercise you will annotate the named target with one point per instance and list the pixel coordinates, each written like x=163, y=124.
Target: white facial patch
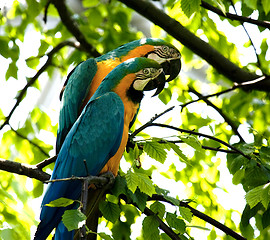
x=155, y=57
x=140, y=84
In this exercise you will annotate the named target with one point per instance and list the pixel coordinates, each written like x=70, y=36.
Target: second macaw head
x=159, y=50
x=132, y=77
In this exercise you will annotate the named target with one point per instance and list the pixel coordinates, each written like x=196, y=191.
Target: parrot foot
x=111, y=179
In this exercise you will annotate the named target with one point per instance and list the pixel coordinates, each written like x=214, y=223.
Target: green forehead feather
x=126, y=48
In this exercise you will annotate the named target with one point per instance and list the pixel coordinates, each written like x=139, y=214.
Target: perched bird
x=98, y=136
x=84, y=80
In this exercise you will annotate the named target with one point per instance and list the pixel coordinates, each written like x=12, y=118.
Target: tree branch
x=223, y=115
x=46, y=162
x=235, y=86
x=202, y=216
x=201, y=135
x=252, y=44
x=195, y=44
x=65, y=16
x=24, y=169
x=163, y=226
x=231, y=16
x=32, y=80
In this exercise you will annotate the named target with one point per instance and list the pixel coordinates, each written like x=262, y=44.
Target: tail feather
x=62, y=233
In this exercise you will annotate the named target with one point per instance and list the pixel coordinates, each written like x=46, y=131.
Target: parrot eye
x=146, y=71
x=165, y=48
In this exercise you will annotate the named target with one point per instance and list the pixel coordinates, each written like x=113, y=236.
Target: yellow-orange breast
x=130, y=111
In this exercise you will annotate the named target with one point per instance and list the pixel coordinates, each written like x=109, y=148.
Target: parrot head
x=159, y=50
x=132, y=77
x=166, y=55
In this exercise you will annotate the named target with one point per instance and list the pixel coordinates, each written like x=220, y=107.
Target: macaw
x=84, y=80
x=98, y=136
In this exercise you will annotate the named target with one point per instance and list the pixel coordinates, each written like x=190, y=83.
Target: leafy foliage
x=226, y=139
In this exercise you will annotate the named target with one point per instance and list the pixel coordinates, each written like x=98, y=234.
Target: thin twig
x=31, y=142
x=162, y=225
x=201, y=135
x=235, y=86
x=231, y=16
x=203, y=146
x=91, y=179
x=46, y=10
x=32, y=80
x=222, y=114
x=200, y=215
x=84, y=199
x=46, y=162
x=252, y=44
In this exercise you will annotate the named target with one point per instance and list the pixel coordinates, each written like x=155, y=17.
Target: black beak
x=172, y=68
x=158, y=83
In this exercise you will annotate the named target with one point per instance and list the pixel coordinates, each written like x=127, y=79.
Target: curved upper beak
x=171, y=67
x=158, y=82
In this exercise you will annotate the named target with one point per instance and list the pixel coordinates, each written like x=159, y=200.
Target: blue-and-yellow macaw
x=98, y=136
x=84, y=80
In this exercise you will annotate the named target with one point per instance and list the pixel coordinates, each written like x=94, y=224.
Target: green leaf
x=156, y=151
x=60, y=202
x=105, y=236
x=12, y=71
x=251, y=4
x=266, y=218
x=238, y=176
x=139, y=198
x=259, y=194
x=110, y=211
x=158, y=208
x=132, y=180
x=73, y=219
x=181, y=155
x=221, y=6
x=175, y=222
x=191, y=141
x=246, y=148
x=266, y=6
x=185, y=213
x=190, y=6
x=145, y=184
x=4, y=49
x=150, y=228
x=119, y=186
x=265, y=154
x=173, y=200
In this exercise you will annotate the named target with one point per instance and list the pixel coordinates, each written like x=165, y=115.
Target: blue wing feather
x=77, y=87
x=95, y=137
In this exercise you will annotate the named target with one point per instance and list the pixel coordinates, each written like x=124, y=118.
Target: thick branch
x=195, y=44
x=32, y=80
x=231, y=16
x=65, y=16
x=24, y=169
x=202, y=216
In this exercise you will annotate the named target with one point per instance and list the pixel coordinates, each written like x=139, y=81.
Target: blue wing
x=78, y=84
x=95, y=137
